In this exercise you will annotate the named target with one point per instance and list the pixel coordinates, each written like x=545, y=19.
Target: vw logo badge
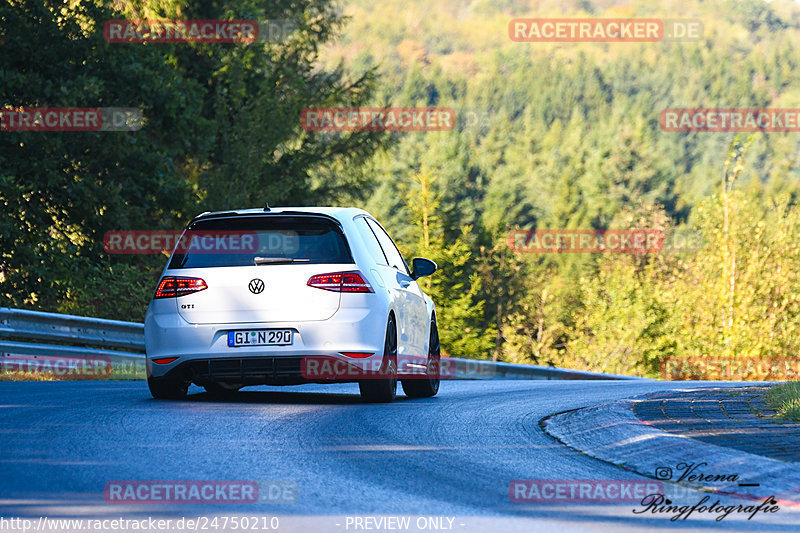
x=256, y=286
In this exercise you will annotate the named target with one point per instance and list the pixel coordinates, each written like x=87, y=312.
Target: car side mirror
x=422, y=267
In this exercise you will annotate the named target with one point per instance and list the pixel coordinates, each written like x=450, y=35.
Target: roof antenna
x=266, y=206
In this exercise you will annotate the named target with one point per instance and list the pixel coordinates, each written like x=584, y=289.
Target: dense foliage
x=566, y=135
x=220, y=132
x=558, y=135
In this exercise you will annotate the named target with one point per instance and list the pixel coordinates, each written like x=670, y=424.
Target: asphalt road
x=449, y=457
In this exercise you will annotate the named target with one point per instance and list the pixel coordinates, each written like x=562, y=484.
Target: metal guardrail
x=31, y=333
x=480, y=369
x=108, y=347
x=88, y=336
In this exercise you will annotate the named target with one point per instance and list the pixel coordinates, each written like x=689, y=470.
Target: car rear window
x=272, y=239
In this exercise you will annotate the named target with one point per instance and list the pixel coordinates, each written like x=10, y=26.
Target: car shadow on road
x=287, y=398
x=279, y=397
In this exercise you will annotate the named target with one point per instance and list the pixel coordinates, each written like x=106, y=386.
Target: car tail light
x=165, y=360
x=358, y=355
x=340, y=282
x=171, y=287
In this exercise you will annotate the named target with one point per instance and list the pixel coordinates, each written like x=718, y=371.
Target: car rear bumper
x=202, y=349
x=273, y=370
x=241, y=371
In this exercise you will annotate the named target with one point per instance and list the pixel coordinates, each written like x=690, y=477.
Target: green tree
x=222, y=131
x=454, y=288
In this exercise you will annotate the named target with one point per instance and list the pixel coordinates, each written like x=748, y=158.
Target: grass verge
x=120, y=370
x=785, y=399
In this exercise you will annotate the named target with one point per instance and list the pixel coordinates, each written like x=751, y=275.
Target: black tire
x=427, y=387
x=167, y=388
x=221, y=390
x=383, y=390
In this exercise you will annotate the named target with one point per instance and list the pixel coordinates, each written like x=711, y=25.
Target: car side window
x=387, y=245
x=373, y=246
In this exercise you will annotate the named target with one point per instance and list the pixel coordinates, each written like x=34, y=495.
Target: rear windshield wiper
x=278, y=260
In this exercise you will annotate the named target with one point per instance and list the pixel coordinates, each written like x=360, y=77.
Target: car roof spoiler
x=234, y=214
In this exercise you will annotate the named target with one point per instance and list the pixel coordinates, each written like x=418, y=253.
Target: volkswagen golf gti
x=284, y=296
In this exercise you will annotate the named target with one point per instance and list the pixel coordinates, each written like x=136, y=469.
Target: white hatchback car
x=285, y=296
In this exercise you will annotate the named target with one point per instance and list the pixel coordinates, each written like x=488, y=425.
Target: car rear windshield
x=261, y=240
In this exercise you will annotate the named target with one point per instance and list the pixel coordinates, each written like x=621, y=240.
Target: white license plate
x=260, y=337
